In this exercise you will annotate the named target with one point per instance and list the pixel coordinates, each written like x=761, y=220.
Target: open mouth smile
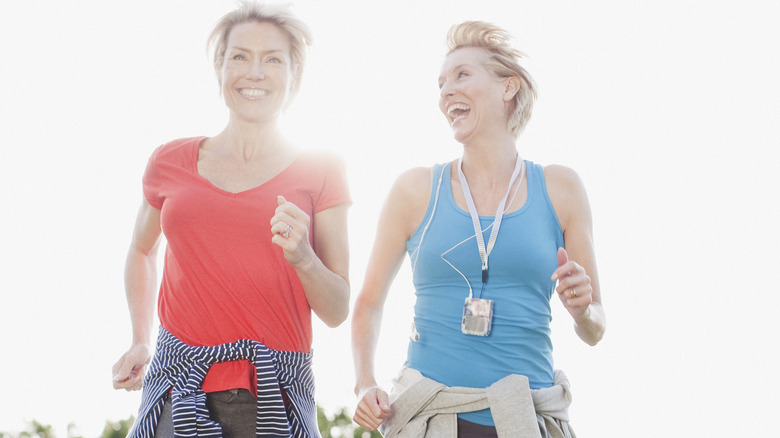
x=457, y=111
x=253, y=93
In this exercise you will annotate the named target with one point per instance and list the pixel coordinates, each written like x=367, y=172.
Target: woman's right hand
x=372, y=409
x=130, y=369
x=402, y=214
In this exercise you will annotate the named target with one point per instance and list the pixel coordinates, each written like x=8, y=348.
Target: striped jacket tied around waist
x=180, y=369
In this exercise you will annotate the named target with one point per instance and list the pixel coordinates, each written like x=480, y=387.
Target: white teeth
x=457, y=107
x=457, y=111
x=253, y=93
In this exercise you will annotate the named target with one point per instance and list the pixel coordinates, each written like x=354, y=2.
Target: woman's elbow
x=336, y=318
x=338, y=312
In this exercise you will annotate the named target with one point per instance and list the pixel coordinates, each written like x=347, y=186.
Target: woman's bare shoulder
x=408, y=199
x=416, y=179
x=566, y=192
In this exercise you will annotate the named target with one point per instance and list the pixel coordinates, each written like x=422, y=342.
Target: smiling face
x=472, y=100
x=256, y=73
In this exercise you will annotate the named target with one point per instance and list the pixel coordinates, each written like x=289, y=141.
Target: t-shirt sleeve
x=152, y=181
x=335, y=190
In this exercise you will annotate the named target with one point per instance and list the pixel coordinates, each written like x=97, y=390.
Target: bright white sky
x=668, y=110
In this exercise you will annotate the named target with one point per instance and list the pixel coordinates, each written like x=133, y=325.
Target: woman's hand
x=141, y=290
x=323, y=274
x=372, y=409
x=290, y=227
x=574, y=288
x=130, y=369
x=576, y=291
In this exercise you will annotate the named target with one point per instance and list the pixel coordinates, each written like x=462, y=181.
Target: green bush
x=119, y=429
x=341, y=426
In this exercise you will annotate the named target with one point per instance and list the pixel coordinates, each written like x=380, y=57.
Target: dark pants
x=235, y=410
x=467, y=429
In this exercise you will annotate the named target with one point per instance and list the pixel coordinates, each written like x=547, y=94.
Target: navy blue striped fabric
x=183, y=368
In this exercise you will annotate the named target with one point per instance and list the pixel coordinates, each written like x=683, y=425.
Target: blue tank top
x=523, y=259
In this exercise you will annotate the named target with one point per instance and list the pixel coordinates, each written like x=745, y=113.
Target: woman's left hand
x=290, y=228
x=574, y=288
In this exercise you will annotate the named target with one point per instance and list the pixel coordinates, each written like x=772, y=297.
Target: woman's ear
x=511, y=88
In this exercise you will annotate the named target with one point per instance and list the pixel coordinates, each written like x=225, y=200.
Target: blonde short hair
x=279, y=15
x=502, y=62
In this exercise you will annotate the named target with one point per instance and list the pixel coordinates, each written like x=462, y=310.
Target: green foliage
x=117, y=429
x=340, y=425
x=72, y=431
x=34, y=429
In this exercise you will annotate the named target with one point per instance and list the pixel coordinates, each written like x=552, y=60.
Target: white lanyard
x=485, y=253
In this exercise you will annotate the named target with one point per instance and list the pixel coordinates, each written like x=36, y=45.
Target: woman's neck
x=489, y=162
x=247, y=140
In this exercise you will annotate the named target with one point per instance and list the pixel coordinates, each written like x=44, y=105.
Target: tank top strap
x=438, y=179
x=537, y=194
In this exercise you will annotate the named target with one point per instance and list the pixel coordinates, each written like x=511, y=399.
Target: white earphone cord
x=473, y=236
x=416, y=254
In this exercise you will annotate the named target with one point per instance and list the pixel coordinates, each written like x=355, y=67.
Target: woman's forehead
x=464, y=56
x=251, y=34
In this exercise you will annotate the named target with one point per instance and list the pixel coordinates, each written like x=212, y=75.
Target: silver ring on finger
x=286, y=232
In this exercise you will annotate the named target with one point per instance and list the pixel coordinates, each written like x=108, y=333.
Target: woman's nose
x=256, y=71
x=445, y=90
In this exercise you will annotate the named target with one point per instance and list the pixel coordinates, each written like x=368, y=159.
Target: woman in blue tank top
x=490, y=237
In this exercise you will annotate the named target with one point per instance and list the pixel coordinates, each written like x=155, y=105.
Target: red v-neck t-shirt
x=223, y=280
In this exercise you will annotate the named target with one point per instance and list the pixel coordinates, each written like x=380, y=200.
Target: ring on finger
x=286, y=232
x=573, y=293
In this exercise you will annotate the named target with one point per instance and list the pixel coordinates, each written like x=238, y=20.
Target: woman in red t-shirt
x=256, y=230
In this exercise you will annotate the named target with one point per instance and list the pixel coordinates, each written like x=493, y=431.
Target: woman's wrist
x=590, y=326
x=584, y=317
x=364, y=384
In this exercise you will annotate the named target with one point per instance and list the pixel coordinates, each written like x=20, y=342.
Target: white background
x=668, y=110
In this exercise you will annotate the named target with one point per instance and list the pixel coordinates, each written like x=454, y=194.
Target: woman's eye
x=274, y=60
x=462, y=74
x=239, y=57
